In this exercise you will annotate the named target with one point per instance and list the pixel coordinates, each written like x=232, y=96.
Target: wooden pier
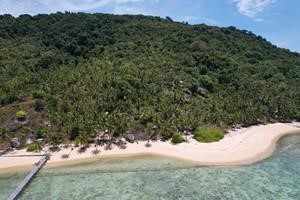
x=29, y=177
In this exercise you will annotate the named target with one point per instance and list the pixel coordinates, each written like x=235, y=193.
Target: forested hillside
x=76, y=74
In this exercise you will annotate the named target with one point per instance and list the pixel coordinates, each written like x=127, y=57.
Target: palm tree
x=82, y=140
x=4, y=135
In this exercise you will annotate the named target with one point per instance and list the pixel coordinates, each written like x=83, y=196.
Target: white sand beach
x=239, y=147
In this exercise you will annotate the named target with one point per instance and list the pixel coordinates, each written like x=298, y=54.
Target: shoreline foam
x=239, y=147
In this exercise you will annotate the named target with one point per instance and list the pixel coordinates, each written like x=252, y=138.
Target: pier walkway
x=29, y=177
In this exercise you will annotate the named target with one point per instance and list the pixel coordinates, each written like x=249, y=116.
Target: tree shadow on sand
x=65, y=156
x=96, y=151
x=82, y=149
x=148, y=144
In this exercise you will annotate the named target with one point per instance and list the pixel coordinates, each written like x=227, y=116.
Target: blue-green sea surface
x=9, y=182
x=160, y=178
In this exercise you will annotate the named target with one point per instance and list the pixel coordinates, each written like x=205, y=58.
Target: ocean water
x=160, y=178
x=9, y=182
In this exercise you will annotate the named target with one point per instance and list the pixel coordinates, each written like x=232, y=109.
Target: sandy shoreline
x=239, y=147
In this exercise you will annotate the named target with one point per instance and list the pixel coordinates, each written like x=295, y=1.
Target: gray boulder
x=202, y=91
x=15, y=143
x=188, y=96
x=130, y=138
x=122, y=141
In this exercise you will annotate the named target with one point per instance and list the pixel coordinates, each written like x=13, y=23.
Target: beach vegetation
x=208, y=135
x=34, y=147
x=21, y=115
x=177, y=138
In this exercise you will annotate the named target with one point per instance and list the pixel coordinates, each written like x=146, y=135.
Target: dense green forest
x=85, y=73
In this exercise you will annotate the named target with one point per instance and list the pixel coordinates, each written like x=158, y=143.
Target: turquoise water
x=9, y=182
x=159, y=178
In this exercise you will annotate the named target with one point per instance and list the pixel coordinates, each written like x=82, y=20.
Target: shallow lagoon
x=160, y=178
